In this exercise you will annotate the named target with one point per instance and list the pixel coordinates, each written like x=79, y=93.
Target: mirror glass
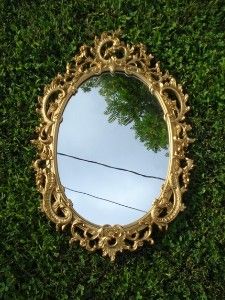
x=112, y=149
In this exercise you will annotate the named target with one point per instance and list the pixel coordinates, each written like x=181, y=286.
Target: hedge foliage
x=37, y=39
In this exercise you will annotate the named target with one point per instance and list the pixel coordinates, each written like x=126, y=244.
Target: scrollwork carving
x=110, y=54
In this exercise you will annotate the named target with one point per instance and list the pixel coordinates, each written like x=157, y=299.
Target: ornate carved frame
x=110, y=54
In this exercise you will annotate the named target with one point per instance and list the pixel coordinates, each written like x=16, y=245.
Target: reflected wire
x=96, y=197
x=111, y=167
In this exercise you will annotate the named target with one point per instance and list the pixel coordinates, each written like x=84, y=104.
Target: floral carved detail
x=110, y=54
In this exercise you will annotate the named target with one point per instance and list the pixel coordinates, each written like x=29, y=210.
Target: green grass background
x=37, y=39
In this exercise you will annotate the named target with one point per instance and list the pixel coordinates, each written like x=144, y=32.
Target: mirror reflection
x=112, y=151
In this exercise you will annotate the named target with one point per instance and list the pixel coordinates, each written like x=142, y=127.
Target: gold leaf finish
x=110, y=54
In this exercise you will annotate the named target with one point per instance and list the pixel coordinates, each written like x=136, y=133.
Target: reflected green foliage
x=130, y=101
x=37, y=39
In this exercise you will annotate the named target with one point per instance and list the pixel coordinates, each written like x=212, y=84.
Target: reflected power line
x=103, y=199
x=111, y=167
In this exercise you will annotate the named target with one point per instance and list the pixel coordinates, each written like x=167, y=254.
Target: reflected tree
x=130, y=102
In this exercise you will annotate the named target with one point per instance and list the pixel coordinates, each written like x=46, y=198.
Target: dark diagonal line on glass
x=111, y=167
x=103, y=199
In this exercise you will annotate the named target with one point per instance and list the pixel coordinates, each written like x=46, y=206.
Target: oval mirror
x=112, y=151
x=111, y=147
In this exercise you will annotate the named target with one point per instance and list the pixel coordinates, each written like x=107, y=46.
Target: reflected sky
x=86, y=133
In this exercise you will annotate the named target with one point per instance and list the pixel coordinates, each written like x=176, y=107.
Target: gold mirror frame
x=110, y=54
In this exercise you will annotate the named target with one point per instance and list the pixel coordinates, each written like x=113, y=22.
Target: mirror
x=112, y=150
x=111, y=147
